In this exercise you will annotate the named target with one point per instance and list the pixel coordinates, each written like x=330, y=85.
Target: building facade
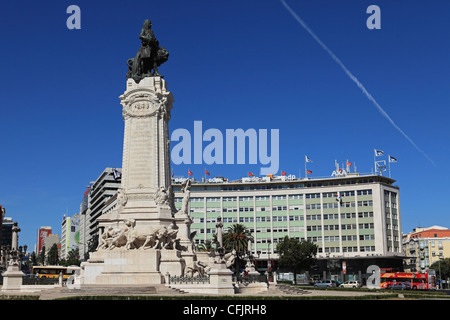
x=6, y=235
x=354, y=220
x=42, y=234
x=70, y=234
x=49, y=241
x=424, y=246
x=92, y=207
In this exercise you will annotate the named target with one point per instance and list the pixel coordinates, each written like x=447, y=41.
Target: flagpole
x=389, y=161
x=306, y=172
x=374, y=161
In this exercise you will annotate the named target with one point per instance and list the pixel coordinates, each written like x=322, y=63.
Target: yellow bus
x=54, y=271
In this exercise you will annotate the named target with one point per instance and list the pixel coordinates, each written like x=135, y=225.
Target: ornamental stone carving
x=162, y=196
x=197, y=267
x=128, y=237
x=141, y=105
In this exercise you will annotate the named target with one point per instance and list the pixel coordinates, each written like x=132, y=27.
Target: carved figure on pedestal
x=121, y=237
x=121, y=198
x=186, y=189
x=170, y=239
x=106, y=238
x=161, y=196
x=230, y=258
x=198, y=267
x=161, y=237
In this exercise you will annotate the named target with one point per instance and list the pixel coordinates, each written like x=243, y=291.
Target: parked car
x=324, y=284
x=350, y=284
x=400, y=286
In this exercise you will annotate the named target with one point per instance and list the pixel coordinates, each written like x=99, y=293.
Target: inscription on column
x=140, y=153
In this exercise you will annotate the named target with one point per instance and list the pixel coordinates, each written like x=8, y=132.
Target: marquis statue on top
x=149, y=57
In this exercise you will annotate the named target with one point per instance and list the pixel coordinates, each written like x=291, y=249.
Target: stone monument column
x=145, y=190
x=139, y=242
x=15, y=236
x=12, y=277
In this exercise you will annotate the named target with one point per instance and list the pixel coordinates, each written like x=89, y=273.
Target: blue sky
x=233, y=64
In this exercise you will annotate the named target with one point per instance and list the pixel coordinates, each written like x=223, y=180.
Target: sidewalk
x=161, y=290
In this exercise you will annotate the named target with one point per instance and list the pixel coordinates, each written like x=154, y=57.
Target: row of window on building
x=335, y=216
x=279, y=197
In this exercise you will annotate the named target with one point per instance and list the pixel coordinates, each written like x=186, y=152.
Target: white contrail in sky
x=354, y=79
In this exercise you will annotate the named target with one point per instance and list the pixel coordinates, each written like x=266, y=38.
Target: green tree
x=53, y=255
x=34, y=258
x=442, y=268
x=41, y=257
x=297, y=255
x=73, y=258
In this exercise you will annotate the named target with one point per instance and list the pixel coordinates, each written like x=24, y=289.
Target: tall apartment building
x=6, y=235
x=93, y=204
x=42, y=234
x=424, y=246
x=354, y=219
x=70, y=234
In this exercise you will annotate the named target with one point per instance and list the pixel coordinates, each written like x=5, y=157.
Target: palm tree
x=236, y=238
x=206, y=246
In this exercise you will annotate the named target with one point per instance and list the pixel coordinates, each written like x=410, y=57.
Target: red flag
x=283, y=173
x=308, y=171
x=250, y=174
x=349, y=163
x=190, y=173
x=206, y=172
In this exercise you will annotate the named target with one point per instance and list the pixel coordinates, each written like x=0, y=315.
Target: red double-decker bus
x=408, y=280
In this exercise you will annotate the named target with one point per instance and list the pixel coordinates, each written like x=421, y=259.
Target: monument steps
x=110, y=290
x=290, y=290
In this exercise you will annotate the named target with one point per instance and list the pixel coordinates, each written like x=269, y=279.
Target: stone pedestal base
x=125, y=267
x=12, y=278
x=221, y=280
x=171, y=262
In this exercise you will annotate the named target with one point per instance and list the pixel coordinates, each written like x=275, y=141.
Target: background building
x=49, y=241
x=6, y=235
x=43, y=232
x=83, y=211
x=70, y=234
x=100, y=192
x=354, y=219
x=424, y=246
x=2, y=216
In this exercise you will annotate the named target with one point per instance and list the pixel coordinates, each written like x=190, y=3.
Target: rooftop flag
x=392, y=159
x=116, y=174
